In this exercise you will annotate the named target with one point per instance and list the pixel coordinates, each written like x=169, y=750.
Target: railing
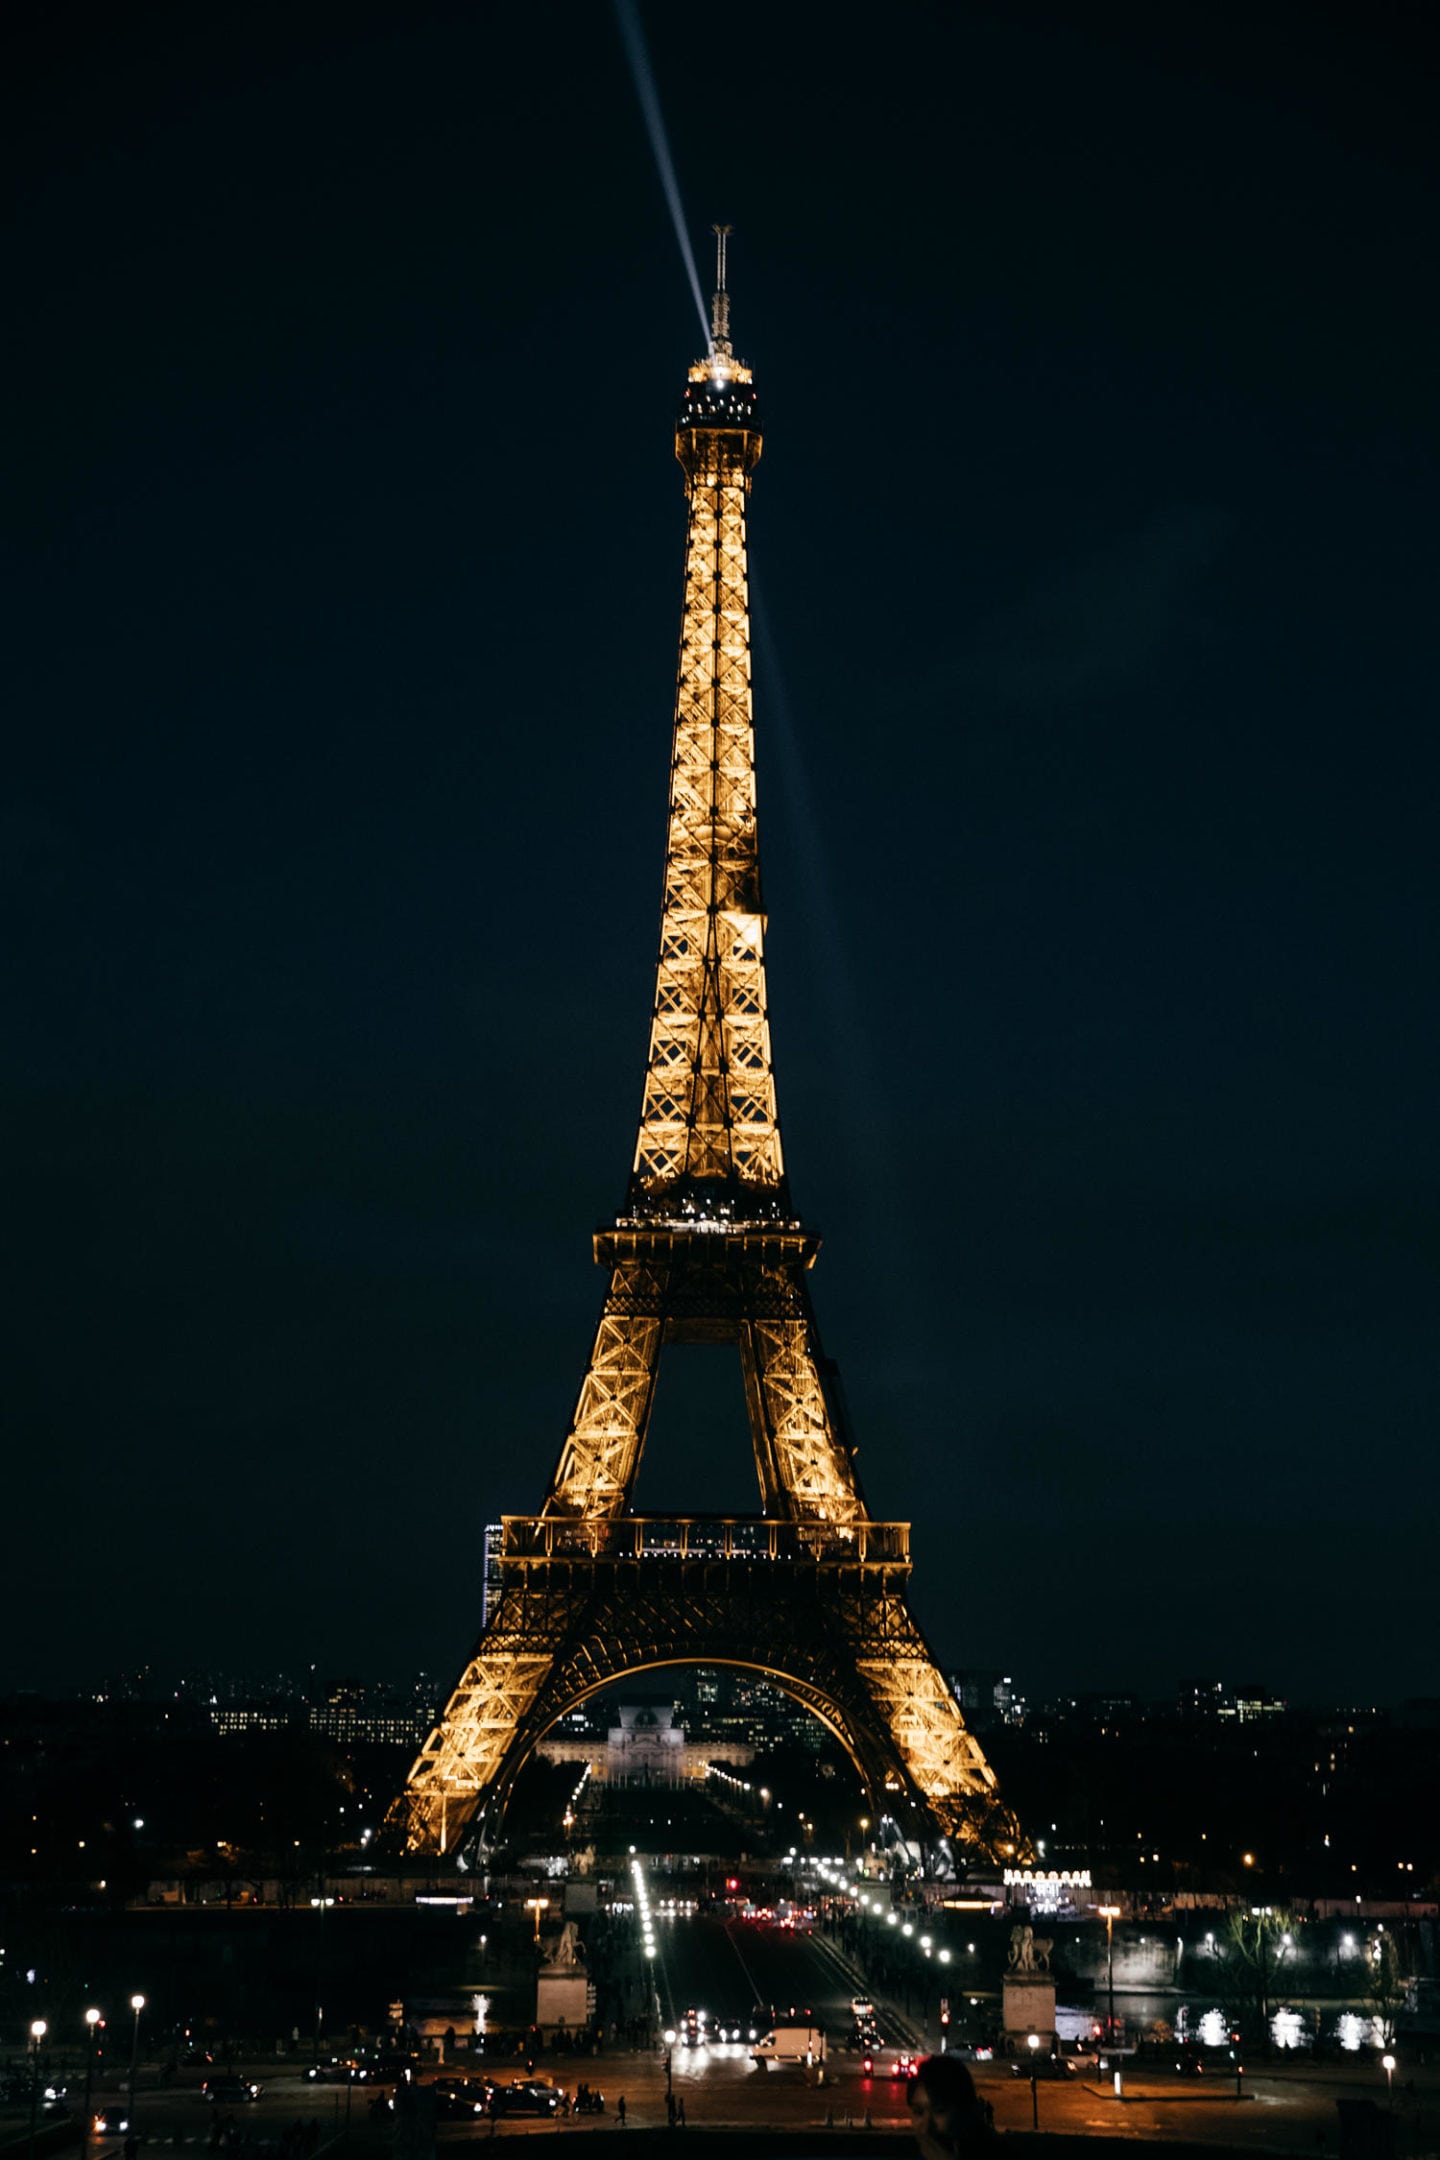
x=704, y=1537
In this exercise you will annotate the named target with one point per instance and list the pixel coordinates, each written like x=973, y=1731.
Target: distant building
x=987, y=1696
x=378, y=1725
x=492, y=1547
x=1251, y=1703
x=1202, y=1698
x=647, y=1745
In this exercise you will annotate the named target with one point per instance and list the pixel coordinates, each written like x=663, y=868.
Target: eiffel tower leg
x=601, y=1454
x=942, y=1760
x=459, y=1761
x=805, y=1471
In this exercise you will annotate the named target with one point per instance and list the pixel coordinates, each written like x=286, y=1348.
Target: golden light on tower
x=708, y=1248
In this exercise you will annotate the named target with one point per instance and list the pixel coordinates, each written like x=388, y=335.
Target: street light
x=1032, y=2041
x=92, y=2019
x=38, y=2030
x=537, y=1905
x=1387, y=2064
x=1110, y=1914
x=137, y=2004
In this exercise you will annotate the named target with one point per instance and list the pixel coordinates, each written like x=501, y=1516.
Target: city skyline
x=1088, y=553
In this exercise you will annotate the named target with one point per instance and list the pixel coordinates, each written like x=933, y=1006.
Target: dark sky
x=1095, y=546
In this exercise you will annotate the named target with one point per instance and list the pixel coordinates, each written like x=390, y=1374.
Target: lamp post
x=38, y=2030
x=1110, y=1914
x=537, y=1905
x=1387, y=2064
x=137, y=2004
x=92, y=2019
x=1032, y=2041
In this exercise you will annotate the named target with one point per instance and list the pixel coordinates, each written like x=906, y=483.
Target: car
x=862, y=2009
x=337, y=2072
x=112, y=2119
x=532, y=2097
x=227, y=2090
x=730, y=2027
x=904, y=2066
x=461, y=2099
x=1042, y=2066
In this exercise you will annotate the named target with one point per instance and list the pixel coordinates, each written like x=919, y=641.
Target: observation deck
x=720, y=400
x=742, y=1540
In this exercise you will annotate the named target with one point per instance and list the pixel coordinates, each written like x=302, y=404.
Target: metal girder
x=719, y=1286
x=708, y=1115
x=811, y=1592
x=832, y=1629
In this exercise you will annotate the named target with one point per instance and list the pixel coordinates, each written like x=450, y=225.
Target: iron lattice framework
x=811, y=1594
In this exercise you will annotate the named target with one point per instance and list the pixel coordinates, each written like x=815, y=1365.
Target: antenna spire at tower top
x=720, y=299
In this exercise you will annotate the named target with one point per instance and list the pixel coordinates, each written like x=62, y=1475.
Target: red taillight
x=869, y=2064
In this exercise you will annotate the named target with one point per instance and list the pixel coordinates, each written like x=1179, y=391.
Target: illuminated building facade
x=811, y=1593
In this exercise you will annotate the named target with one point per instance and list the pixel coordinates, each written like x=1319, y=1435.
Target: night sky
x=1093, y=551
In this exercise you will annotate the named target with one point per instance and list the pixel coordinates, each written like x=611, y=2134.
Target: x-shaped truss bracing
x=811, y=1592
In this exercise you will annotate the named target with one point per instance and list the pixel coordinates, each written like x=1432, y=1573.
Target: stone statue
x=1029, y=1952
x=568, y=1955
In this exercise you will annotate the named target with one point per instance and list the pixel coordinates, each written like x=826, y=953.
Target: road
x=725, y=1966
x=723, y=2088
x=729, y=1967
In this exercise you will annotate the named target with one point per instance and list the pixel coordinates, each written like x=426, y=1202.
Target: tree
x=1387, y=1984
x=1257, y=1945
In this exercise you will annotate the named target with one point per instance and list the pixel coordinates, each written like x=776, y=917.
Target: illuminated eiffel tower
x=811, y=1593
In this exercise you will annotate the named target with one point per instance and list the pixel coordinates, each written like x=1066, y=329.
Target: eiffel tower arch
x=812, y=1592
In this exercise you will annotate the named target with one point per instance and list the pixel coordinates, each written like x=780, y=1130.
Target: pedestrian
x=945, y=2110
x=620, y=2111
x=680, y=2113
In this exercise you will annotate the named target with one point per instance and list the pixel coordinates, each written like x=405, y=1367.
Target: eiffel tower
x=810, y=1593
